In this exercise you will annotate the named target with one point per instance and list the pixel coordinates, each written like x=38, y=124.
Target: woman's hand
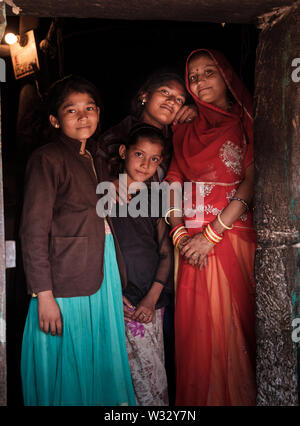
x=49, y=313
x=193, y=260
x=145, y=310
x=182, y=243
x=128, y=309
x=196, y=250
x=186, y=114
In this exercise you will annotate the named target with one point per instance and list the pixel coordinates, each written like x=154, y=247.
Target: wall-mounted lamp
x=10, y=38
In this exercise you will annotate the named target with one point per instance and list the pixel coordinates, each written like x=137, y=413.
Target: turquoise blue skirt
x=88, y=365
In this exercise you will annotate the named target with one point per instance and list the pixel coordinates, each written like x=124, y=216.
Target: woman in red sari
x=214, y=315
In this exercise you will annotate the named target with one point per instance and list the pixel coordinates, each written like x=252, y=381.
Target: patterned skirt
x=88, y=365
x=145, y=348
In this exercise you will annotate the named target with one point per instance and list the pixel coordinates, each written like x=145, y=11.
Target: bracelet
x=179, y=231
x=214, y=237
x=176, y=227
x=212, y=229
x=181, y=227
x=173, y=209
x=223, y=224
x=244, y=202
x=209, y=236
x=208, y=239
x=179, y=239
x=179, y=236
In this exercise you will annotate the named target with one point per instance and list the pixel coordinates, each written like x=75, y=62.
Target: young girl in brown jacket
x=73, y=350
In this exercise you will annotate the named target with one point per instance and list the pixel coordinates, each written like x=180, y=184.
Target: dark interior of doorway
x=117, y=56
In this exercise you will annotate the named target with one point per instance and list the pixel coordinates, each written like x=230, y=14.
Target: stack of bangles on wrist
x=178, y=232
x=211, y=235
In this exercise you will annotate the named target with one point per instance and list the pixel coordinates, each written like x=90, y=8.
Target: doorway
x=117, y=56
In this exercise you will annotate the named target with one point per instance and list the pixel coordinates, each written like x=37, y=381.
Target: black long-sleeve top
x=148, y=255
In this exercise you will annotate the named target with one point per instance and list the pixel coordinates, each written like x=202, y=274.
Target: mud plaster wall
x=277, y=211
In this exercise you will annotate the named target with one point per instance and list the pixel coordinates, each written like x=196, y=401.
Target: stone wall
x=277, y=210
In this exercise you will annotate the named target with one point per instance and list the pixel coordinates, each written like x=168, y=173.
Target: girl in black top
x=147, y=252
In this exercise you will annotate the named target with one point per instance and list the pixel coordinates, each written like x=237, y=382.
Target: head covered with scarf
x=218, y=145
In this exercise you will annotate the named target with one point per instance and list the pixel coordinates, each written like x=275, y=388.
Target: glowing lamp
x=10, y=38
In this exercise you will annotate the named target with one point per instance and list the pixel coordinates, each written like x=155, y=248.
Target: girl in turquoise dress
x=73, y=350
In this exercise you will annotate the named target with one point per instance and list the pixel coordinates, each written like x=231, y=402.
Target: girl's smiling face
x=206, y=82
x=162, y=105
x=141, y=159
x=77, y=116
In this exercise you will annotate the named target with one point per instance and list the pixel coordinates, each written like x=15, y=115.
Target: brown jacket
x=61, y=234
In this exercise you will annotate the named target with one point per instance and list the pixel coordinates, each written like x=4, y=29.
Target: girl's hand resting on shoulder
x=196, y=250
x=49, y=313
x=186, y=114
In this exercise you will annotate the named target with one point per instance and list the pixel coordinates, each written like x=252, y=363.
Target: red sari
x=214, y=315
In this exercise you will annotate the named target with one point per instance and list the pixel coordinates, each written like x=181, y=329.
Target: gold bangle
x=180, y=238
x=211, y=237
x=209, y=231
x=223, y=224
x=179, y=230
x=173, y=209
x=179, y=235
x=219, y=235
x=167, y=222
x=210, y=241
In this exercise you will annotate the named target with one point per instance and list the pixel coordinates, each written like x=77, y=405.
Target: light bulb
x=10, y=38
